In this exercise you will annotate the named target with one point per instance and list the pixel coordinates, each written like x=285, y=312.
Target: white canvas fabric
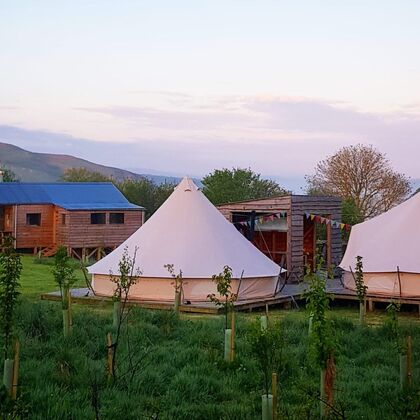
x=386, y=242
x=190, y=233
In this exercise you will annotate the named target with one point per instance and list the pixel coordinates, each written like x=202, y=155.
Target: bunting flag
x=327, y=221
x=263, y=219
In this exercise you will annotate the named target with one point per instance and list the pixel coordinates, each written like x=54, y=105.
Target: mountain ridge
x=49, y=167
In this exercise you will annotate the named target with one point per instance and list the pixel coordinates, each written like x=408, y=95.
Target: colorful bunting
x=326, y=221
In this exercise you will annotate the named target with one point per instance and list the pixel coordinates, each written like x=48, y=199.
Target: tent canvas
x=190, y=233
x=386, y=242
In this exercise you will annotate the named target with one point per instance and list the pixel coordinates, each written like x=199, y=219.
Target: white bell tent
x=190, y=233
x=390, y=247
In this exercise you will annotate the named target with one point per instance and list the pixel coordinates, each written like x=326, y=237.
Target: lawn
x=171, y=368
x=37, y=277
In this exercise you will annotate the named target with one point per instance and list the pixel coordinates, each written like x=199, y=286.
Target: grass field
x=37, y=278
x=179, y=372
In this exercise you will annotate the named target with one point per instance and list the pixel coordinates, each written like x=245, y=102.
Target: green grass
x=180, y=372
x=37, y=277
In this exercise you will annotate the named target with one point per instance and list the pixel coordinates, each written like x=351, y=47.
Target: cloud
x=273, y=135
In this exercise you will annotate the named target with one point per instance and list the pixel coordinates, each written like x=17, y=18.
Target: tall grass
x=180, y=372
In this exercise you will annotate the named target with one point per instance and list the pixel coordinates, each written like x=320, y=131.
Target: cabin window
x=116, y=218
x=33, y=219
x=63, y=219
x=97, y=219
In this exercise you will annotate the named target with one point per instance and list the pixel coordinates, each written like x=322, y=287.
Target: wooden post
x=274, y=393
x=329, y=244
x=409, y=362
x=110, y=359
x=371, y=305
x=232, y=337
x=15, y=369
x=403, y=372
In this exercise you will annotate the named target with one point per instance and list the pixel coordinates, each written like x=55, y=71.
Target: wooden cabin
x=87, y=218
x=288, y=229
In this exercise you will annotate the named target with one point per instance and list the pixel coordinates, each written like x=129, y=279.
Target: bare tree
x=362, y=174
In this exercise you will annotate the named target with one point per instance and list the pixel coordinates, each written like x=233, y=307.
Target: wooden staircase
x=49, y=251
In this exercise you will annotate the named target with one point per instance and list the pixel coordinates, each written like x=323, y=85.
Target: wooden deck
x=291, y=294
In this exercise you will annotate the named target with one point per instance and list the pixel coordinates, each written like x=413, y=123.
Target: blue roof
x=68, y=195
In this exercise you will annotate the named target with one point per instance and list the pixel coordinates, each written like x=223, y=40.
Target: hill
x=47, y=167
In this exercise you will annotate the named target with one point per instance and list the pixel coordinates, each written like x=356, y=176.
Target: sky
x=184, y=87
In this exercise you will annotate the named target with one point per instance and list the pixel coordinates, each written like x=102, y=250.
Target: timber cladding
x=82, y=234
x=300, y=236
x=34, y=235
x=45, y=225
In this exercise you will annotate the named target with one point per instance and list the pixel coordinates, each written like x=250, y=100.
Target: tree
x=225, y=185
x=8, y=175
x=363, y=175
x=145, y=193
x=64, y=277
x=83, y=175
x=141, y=191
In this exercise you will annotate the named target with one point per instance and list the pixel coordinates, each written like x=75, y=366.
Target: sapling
x=177, y=284
x=10, y=269
x=128, y=275
x=223, y=282
x=64, y=276
x=227, y=299
x=266, y=345
x=361, y=288
x=322, y=344
x=402, y=346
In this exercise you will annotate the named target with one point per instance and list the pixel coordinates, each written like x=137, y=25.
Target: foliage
x=363, y=175
x=10, y=269
x=142, y=192
x=266, y=346
x=63, y=272
x=223, y=282
x=182, y=373
x=361, y=288
x=225, y=185
x=178, y=280
x=127, y=276
x=392, y=311
x=317, y=303
x=8, y=174
x=83, y=175
x=145, y=193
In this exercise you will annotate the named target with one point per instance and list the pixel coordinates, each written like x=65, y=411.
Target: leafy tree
x=64, y=276
x=83, y=175
x=10, y=269
x=363, y=175
x=8, y=175
x=145, y=193
x=223, y=282
x=266, y=345
x=225, y=185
